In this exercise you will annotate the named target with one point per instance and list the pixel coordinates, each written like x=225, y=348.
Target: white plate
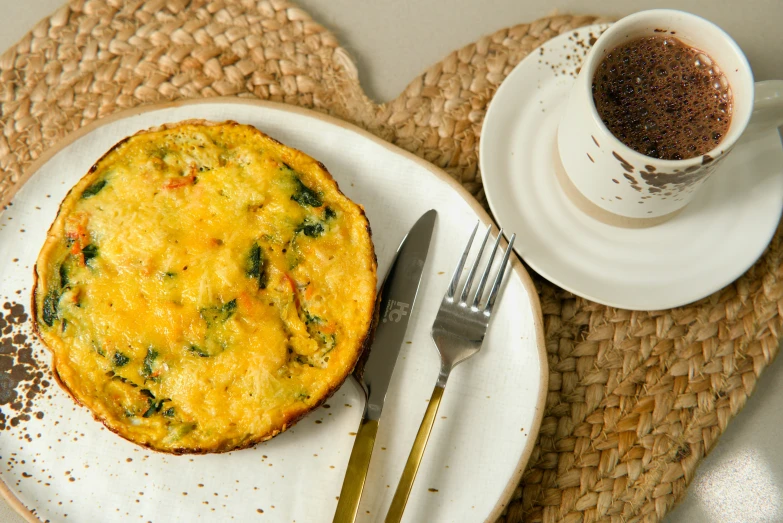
x=718, y=236
x=487, y=422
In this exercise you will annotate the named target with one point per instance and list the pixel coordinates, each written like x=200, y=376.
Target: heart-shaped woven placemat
x=636, y=399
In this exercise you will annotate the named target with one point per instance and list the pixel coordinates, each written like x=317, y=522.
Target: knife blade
x=398, y=296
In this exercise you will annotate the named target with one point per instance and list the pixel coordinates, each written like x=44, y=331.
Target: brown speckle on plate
x=22, y=376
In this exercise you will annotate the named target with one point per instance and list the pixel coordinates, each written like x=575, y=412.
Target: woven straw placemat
x=636, y=399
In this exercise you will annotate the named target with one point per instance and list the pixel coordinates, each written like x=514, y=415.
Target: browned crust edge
x=361, y=355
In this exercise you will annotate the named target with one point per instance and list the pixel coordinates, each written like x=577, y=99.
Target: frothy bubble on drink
x=663, y=98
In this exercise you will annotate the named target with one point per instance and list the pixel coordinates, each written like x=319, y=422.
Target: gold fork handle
x=359, y=462
x=414, y=459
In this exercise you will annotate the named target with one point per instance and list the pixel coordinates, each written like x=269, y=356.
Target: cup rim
x=719, y=150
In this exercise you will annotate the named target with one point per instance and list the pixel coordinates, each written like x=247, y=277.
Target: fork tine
x=499, y=278
x=485, y=275
x=460, y=265
x=472, y=273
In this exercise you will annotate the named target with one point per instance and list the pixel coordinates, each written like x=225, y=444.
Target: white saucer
x=713, y=241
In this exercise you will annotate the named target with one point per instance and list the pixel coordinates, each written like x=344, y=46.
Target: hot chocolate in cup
x=639, y=134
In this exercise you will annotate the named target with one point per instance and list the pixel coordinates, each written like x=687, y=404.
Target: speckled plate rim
x=441, y=175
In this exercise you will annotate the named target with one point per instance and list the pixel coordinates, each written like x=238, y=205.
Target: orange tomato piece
x=182, y=181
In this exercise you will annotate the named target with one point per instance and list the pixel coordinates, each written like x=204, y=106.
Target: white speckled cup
x=619, y=185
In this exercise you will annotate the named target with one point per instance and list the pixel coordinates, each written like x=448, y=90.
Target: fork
x=458, y=333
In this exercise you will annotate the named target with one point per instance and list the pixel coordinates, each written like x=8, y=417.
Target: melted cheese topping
x=204, y=286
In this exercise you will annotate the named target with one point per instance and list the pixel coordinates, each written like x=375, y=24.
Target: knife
x=398, y=296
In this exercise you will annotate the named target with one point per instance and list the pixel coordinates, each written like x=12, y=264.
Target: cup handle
x=767, y=108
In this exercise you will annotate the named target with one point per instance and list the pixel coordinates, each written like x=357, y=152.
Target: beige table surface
x=394, y=40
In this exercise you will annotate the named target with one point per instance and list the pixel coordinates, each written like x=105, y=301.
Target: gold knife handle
x=414, y=458
x=353, y=484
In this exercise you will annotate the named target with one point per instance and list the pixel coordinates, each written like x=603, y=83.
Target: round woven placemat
x=636, y=399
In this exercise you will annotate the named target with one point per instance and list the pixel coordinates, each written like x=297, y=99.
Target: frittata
x=204, y=286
